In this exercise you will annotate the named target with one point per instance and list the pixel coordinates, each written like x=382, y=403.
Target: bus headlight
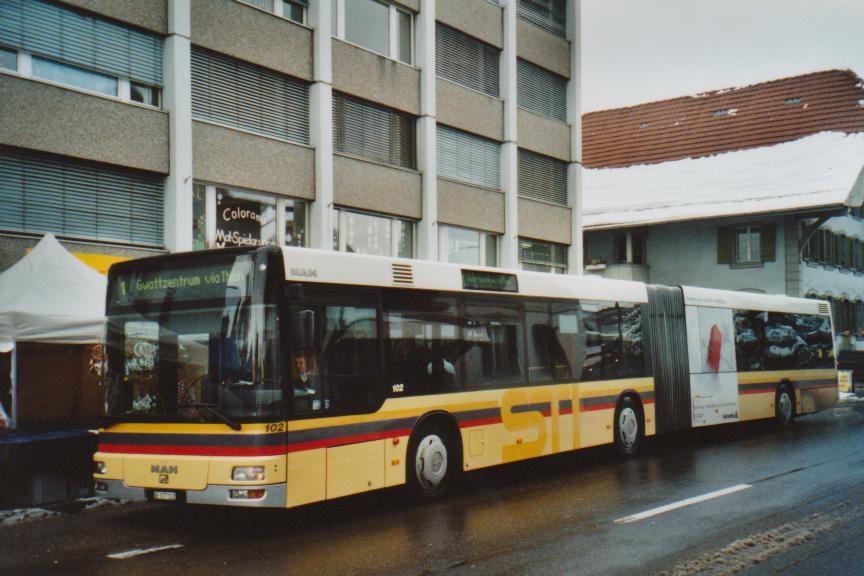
x=99, y=467
x=248, y=473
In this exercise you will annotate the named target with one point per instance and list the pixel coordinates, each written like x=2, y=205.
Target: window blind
x=551, y=15
x=541, y=91
x=542, y=253
x=374, y=132
x=542, y=178
x=235, y=93
x=469, y=158
x=56, y=32
x=466, y=60
x=76, y=200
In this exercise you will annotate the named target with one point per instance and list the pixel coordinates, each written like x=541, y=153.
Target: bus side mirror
x=302, y=329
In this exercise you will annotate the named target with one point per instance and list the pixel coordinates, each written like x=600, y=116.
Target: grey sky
x=641, y=50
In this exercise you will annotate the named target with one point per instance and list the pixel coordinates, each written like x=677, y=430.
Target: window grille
x=57, y=32
x=374, y=132
x=541, y=91
x=466, y=60
x=77, y=200
x=551, y=15
x=469, y=158
x=542, y=178
x=238, y=94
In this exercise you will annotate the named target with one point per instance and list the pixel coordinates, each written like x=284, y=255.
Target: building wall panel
x=544, y=136
x=252, y=35
x=224, y=156
x=60, y=121
x=542, y=48
x=478, y=18
x=375, y=78
x=542, y=221
x=376, y=187
x=470, y=206
x=148, y=14
x=470, y=110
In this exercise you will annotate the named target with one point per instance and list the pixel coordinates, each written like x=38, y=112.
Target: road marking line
x=682, y=504
x=140, y=551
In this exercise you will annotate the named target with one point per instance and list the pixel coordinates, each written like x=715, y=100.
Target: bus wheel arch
x=434, y=458
x=629, y=423
x=785, y=403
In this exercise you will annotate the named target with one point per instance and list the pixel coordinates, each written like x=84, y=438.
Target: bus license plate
x=164, y=495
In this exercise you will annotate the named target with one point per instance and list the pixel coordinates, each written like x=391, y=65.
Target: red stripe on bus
x=594, y=407
x=345, y=440
x=192, y=450
x=480, y=422
x=757, y=391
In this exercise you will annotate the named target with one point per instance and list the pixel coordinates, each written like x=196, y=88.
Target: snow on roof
x=815, y=171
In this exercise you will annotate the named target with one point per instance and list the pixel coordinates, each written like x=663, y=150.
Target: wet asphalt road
x=804, y=514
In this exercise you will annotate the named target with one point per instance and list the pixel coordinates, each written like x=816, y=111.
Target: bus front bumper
x=215, y=494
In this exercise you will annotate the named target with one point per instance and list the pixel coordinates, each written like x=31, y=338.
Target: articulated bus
x=279, y=377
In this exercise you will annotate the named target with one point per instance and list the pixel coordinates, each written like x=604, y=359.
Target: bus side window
x=539, y=342
x=423, y=343
x=633, y=359
x=569, y=345
x=493, y=336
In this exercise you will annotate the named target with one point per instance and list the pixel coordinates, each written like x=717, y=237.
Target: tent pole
x=14, y=379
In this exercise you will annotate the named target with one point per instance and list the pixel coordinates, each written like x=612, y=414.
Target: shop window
x=467, y=246
x=377, y=26
x=363, y=233
x=224, y=217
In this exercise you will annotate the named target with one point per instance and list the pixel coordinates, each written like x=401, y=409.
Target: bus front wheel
x=628, y=426
x=784, y=405
x=432, y=461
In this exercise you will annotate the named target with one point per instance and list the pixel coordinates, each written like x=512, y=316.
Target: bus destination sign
x=490, y=281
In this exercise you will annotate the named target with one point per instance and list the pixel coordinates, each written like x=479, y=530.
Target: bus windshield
x=190, y=341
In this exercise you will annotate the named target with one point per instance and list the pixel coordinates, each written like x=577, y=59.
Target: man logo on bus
x=163, y=469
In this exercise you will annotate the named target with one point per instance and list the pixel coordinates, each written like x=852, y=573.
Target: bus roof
x=308, y=265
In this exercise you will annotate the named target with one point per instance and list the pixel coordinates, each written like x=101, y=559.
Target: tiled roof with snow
x=816, y=171
x=724, y=120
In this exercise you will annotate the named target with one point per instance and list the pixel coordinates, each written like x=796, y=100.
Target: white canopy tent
x=51, y=296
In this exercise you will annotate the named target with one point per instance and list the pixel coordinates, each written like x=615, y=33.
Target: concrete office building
x=433, y=129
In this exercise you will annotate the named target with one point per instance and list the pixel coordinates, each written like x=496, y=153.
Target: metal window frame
x=342, y=225
x=485, y=238
x=392, y=29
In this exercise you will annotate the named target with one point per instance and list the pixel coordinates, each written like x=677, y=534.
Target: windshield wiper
x=214, y=410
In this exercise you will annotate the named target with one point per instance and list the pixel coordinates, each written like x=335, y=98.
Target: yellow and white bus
x=283, y=376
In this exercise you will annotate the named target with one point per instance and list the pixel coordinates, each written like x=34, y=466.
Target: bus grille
x=403, y=274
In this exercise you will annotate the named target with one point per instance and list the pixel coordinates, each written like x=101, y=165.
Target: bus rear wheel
x=784, y=405
x=432, y=461
x=628, y=426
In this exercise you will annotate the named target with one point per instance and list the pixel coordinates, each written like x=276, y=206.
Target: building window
x=241, y=95
x=68, y=47
x=377, y=26
x=466, y=246
x=363, y=233
x=224, y=217
x=469, y=158
x=746, y=244
x=8, y=59
x=539, y=256
x=541, y=91
x=542, y=178
x=77, y=200
x=465, y=60
x=629, y=248
x=374, y=132
x=291, y=9
x=551, y=15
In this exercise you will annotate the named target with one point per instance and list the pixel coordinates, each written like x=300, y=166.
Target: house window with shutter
x=746, y=244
